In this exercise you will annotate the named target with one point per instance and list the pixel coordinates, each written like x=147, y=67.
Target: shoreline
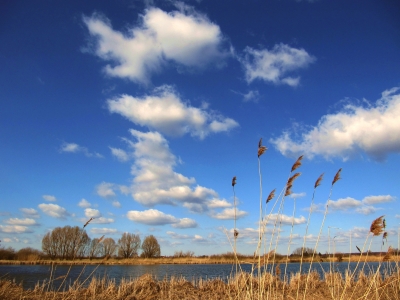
x=184, y=261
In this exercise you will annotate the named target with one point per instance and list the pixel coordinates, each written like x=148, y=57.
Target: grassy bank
x=243, y=286
x=194, y=260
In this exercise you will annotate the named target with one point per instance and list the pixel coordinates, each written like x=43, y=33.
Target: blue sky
x=139, y=113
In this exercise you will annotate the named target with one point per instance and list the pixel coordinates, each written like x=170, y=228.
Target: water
x=29, y=275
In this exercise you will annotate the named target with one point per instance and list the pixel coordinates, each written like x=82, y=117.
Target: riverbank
x=193, y=260
x=242, y=286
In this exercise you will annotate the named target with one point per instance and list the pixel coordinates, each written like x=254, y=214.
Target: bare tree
x=95, y=248
x=306, y=251
x=150, y=247
x=128, y=245
x=65, y=242
x=109, y=247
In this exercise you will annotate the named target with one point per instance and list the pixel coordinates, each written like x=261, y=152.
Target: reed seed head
x=297, y=163
x=377, y=226
x=233, y=180
x=288, y=191
x=358, y=249
x=270, y=196
x=88, y=222
x=261, y=148
x=101, y=238
x=337, y=176
x=318, y=182
x=235, y=234
x=291, y=179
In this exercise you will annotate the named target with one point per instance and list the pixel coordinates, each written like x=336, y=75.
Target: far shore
x=192, y=260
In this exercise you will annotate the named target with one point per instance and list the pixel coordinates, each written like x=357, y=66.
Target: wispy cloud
x=15, y=229
x=228, y=214
x=30, y=212
x=164, y=111
x=185, y=38
x=49, y=198
x=24, y=222
x=372, y=129
x=75, y=148
x=120, y=154
x=103, y=230
x=273, y=65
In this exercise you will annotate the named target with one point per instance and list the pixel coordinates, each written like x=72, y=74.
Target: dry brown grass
x=242, y=286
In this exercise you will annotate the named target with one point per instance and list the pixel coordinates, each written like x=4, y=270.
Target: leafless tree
x=128, y=245
x=65, y=242
x=151, y=247
x=306, y=251
x=109, y=247
x=95, y=248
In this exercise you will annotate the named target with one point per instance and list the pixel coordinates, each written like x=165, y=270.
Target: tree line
x=73, y=242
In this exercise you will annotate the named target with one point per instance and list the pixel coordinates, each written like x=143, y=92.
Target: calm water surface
x=29, y=275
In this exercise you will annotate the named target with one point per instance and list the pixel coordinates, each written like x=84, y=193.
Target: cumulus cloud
x=185, y=38
x=229, y=214
x=288, y=220
x=185, y=223
x=103, y=230
x=24, y=222
x=54, y=210
x=14, y=229
x=75, y=148
x=378, y=199
x=120, y=154
x=92, y=213
x=156, y=217
x=49, y=198
x=372, y=129
x=156, y=182
x=106, y=190
x=164, y=111
x=366, y=210
x=273, y=65
x=84, y=203
x=344, y=204
x=116, y=204
x=30, y=212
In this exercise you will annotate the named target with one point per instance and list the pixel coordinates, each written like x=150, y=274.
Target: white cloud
x=378, y=199
x=156, y=217
x=229, y=214
x=120, y=154
x=54, y=210
x=366, y=210
x=84, y=203
x=185, y=223
x=92, y=213
x=75, y=148
x=187, y=39
x=116, y=204
x=49, y=198
x=30, y=212
x=14, y=229
x=252, y=95
x=106, y=190
x=103, y=230
x=273, y=65
x=344, y=204
x=177, y=236
x=297, y=195
x=155, y=181
x=164, y=111
x=198, y=239
x=288, y=220
x=151, y=217
x=102, y=220
x=372, y=129
x=218, y=203
x=24, y=222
